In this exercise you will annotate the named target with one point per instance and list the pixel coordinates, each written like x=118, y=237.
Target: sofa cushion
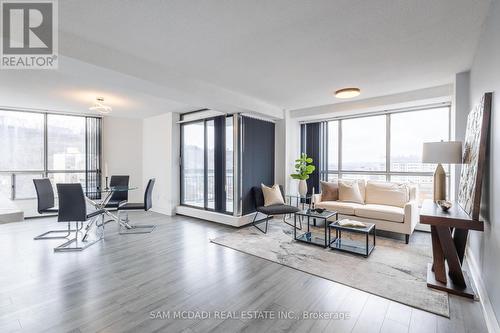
x=386, y=193
x=380, y=212
x=329, y=190
x=346, y=208
x=349, y=191
x=361, y=183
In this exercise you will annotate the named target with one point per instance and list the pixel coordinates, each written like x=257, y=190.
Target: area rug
x=394, y=270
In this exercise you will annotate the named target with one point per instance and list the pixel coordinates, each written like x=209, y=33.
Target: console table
x=449, y=231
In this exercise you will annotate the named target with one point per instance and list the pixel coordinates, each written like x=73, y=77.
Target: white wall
x=485, y=77
x=122, y=152
x=292, y=142
x=161, y=160
x=280, y=152
x=407, y=99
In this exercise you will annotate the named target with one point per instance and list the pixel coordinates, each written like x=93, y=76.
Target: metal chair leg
x=66, y=231
x=127, y=228
x=256, y=224
x=81, y=244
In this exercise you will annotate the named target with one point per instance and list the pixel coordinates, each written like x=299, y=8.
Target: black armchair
x=279, y=209
x=46, y=205
x=73, y=208
x=146, y=205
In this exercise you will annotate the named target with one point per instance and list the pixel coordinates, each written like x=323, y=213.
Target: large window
x=363, y=144
x=229, y=164
x=63, y=148
x=193, y=164
x=210, y=164
x=207, y=164
x=65, y=142
x=409, y=131
x=386, y=147
x=22, y=141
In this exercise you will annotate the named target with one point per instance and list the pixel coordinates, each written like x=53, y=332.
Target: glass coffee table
x=347, y=245
x=309, y=237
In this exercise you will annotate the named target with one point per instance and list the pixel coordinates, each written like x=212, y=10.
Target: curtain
x=314, y=141
x=93, y=142
x=257, y=167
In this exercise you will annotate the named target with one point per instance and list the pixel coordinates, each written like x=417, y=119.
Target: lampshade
x=442, y=152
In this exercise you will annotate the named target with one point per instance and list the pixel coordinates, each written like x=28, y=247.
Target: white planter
x=302, y=188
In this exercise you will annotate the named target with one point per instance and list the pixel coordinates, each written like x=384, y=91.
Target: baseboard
x=235, y=221
x=163, y=210
x=475, y=275
x=423, y=227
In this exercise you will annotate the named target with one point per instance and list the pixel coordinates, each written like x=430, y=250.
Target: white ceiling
x=262, y=56
x=75, y=87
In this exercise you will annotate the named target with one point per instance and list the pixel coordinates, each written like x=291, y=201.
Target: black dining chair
x=73, y=209
x=46, y=205
x=127, y=228
x=120, y=196
x=269, y=211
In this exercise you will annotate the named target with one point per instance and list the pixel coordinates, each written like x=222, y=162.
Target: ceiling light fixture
x=100, y=107
x=347, y=93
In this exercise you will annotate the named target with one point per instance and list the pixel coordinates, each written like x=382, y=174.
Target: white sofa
x=391, y=206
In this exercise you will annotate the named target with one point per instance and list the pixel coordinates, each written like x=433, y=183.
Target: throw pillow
x=329, y=191
x=386, y=193
x=272, y=195
x=349, y=191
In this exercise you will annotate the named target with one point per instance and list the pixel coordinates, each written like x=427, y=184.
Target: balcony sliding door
x=204, y=171
x=193, y=164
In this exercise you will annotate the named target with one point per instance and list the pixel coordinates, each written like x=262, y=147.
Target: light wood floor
x=114, y=286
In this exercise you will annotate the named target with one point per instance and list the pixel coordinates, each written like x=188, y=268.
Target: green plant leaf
x=303, y=167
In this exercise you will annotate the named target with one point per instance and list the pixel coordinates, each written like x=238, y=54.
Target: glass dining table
x=99, y=198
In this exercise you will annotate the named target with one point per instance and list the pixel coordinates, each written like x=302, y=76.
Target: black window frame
x=93, y=146
x=220, y=188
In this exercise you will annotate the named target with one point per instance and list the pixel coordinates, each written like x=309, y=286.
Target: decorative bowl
x=444, y=204
x=320, y=210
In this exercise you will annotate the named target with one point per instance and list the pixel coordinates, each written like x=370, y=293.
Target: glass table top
x=112, y=189
x=325, y=214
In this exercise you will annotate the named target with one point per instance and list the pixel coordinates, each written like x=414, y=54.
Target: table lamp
x=449, y=152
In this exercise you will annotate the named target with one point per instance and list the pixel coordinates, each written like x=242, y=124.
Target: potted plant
x=303, y=168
